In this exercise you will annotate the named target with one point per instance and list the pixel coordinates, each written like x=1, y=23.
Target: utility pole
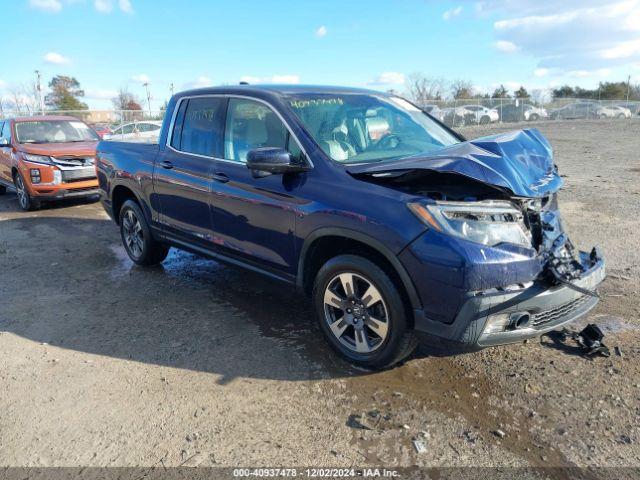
x=171, y=88
x=39, y=88
x=628, y=87
x=146, y=86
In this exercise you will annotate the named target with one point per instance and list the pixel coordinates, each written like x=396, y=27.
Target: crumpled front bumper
x=489, y=317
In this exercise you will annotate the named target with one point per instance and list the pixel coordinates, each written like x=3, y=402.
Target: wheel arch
x=330, y=242
x=120, y=194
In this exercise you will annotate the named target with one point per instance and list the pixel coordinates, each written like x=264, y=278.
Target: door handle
x=220, y=177
x=166, y=164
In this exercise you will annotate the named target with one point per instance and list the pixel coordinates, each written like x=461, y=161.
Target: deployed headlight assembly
x=488, y=222
x=29, y=157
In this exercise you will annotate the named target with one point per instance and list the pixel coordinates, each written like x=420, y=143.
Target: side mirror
x=4, y=142
x=271, y=160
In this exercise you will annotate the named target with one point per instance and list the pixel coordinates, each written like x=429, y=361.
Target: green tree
x=521, y=93
x=500, y=92
x=64, y=94
x=563, y=92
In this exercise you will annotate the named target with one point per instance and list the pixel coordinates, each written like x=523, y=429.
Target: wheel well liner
x=326, y=243
x=121, y=194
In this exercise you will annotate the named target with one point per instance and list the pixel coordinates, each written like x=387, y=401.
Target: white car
x=482, y=114
x=143, y=130
x=533, y=113
x=613, y=111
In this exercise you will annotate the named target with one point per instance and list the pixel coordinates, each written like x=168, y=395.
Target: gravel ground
x=196, y=363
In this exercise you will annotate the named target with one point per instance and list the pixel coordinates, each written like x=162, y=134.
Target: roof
x=283, y=89
x=36, y=118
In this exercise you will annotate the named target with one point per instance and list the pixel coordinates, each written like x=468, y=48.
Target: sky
x=113, y=44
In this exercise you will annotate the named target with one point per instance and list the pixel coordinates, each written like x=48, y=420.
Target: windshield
x=54, y=131
x=361, y=128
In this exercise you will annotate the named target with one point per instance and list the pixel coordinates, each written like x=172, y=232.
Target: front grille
x=78, y=174
x=559, y=312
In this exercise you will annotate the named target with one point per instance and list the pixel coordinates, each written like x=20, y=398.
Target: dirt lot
x=196, y=363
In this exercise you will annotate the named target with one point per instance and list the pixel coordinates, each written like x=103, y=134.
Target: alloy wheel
x=356, y=313
x=132, y=233
x=23, y=196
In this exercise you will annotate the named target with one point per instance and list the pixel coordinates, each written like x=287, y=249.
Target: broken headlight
x=45, y=160
x=488, y=222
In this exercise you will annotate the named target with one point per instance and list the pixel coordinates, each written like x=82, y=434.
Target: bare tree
x=422, y=89
x=461, y=89
x=23, y=99
x=126, y=100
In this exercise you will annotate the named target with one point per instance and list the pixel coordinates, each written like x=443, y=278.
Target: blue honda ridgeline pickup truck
x=395, y=224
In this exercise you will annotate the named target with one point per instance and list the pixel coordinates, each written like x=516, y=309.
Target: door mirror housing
x=272, y=160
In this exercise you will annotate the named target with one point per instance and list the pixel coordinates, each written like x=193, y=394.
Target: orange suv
x=47, y=158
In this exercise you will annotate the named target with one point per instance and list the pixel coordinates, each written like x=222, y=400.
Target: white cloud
x=541, y=72
x=289, y=79
x=506, y=46
x=125, y=6
x=321, y=31
x=201, y=82
x=389, y=78
x=454, y=12
x=55, y=58
x=572, y=35
x=100, y=94
x=141, y=78
x=601, y=72
x=103, y=6
x=46, y=5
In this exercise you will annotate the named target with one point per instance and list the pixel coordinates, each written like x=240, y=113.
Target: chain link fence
x=462, y=112
x=145, y=124
x=117, y=124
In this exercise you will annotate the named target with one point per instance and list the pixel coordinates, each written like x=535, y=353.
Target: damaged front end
x=496, y=245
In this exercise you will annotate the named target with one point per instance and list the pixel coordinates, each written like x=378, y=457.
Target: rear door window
x=201, y=128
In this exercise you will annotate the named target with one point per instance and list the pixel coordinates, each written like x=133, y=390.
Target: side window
x=176, y=135
x=201, y=126
x=250, y=125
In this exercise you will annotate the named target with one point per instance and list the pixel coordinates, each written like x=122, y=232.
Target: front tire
x=141, y=247
x=3, y=189
x=26, y=201
x=361, y=313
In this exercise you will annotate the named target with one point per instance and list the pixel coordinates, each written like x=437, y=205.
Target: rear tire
x=361, y=313
x=141, y=247
x=26, y=201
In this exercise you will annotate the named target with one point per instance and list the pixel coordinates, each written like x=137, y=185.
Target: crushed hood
x=519, y=161
x=72, y=149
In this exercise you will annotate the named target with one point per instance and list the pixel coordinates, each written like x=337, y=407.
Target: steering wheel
x=389, y=141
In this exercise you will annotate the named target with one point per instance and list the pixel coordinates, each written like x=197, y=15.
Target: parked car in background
x=435, y=111
x=533, y=113
x=575, y=110
x=523, y=112
x=457, y=117
x=144, y=130
x=393, y=223
x=634, y=107
x=101, y=129
x=47, y=158
x=613, y=111
x=481, y=114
